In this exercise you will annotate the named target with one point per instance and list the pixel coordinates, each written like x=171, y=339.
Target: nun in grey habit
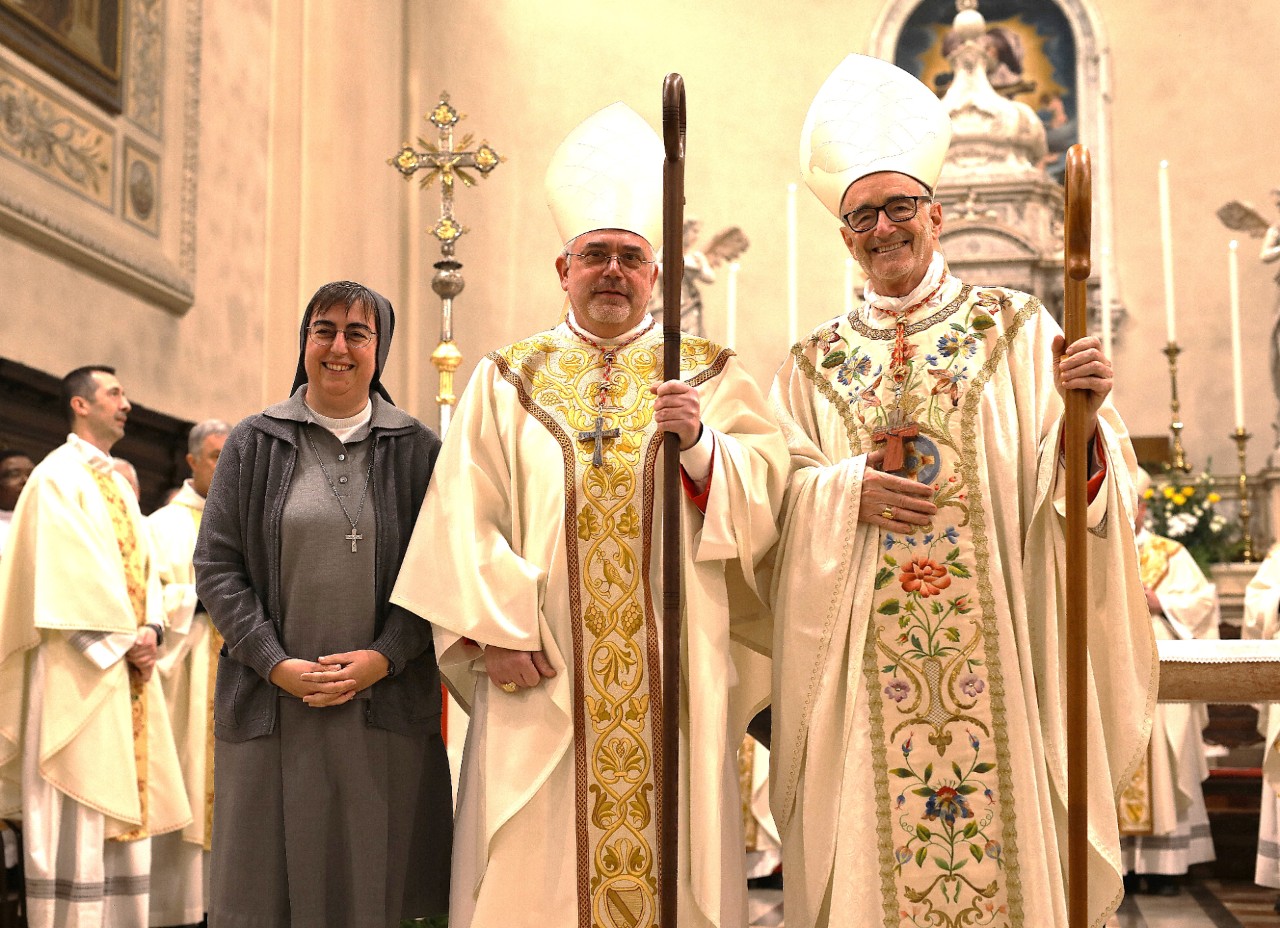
x=332, y=801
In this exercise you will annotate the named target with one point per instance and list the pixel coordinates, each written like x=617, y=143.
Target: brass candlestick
x=1241, y=438
x=1171, y=352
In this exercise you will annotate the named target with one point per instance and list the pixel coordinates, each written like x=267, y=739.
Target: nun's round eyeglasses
x=325, y=333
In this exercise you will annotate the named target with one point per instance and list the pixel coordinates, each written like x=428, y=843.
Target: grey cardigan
x=237, y=563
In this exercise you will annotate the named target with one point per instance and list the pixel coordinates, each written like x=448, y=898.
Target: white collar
x=630, y=333
x=883, y=306
x=345, y=429
x=94, y=456
x=187, y=496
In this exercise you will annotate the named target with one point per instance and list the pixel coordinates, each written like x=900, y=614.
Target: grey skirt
x=328, y=822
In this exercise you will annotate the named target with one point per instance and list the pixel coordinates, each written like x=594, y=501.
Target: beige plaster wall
x=298, y=112
x=1190, y=87
x=302, y=103
x=1186, y=86
x=198, y=363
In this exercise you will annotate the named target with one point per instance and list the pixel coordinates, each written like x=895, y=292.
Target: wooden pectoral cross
x=894, y=436
x=598, y=435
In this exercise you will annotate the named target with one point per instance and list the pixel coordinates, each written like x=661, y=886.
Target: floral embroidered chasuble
x=941, y=757
x=610, y=447
x=958, y=794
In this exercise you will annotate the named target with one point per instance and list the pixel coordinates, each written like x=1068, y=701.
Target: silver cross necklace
x=354, y=536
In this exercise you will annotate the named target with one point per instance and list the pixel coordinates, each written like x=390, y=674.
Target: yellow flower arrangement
x=1188, y=514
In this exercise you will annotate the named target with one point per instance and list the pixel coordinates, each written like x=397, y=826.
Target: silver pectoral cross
x=598, y=435
x=353, y=538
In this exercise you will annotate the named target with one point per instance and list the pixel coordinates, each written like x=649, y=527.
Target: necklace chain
x=609, y=352
x=353, y=537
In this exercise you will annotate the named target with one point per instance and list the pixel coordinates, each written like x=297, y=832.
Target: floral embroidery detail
x=994, y=301
x=946, y=803
x=855, y=368
x=924, y=576
x=954, y=343
x=898, y=690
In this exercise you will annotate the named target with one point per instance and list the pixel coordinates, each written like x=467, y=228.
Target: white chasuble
x=541, y=530
x=187, y=666
x=1262, y=621
x=86, y=750
x=1165, y=794
x=919, y=757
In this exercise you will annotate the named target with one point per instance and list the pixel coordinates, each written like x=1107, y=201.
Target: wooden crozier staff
x=1079, y=207
x=673, y=126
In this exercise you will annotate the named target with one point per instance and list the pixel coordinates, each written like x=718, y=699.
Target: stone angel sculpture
x=699, y=268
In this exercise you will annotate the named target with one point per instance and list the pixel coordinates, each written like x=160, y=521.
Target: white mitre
x=607, y=174
x=871, y=116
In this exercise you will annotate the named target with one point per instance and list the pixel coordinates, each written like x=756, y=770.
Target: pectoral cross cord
x=609, y=354
x=899, y=429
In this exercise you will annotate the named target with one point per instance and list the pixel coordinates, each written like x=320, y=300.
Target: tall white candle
x=1106, y=301
x=848, y=286
x=1166, y=243
x=793, y=298
x=1237, y=359
x=731, y=321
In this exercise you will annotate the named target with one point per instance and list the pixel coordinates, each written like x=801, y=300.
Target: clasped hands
x=331, y=680
x=525, y=669
x=142, y=656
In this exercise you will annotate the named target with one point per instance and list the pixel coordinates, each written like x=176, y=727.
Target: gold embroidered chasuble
x=74, y=564
x=563, y=555
x=189, y=664
x=134, y=558
x=910, y=664
x=610, y=500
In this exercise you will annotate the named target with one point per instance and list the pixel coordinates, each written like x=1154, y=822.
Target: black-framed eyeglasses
x=898, y=209
x=594, y=259
x=326, y=333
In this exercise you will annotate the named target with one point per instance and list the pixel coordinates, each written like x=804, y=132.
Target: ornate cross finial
x=442, y=160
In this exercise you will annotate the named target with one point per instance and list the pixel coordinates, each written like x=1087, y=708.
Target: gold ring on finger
x=509, y=687
x=887, y=513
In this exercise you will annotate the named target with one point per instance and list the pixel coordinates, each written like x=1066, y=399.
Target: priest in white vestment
x=537, y=556
x=188, y=666
x=15, y=469
x=1163, y=820
x=1262, y=621
x=86, y=751
x=919, y=769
